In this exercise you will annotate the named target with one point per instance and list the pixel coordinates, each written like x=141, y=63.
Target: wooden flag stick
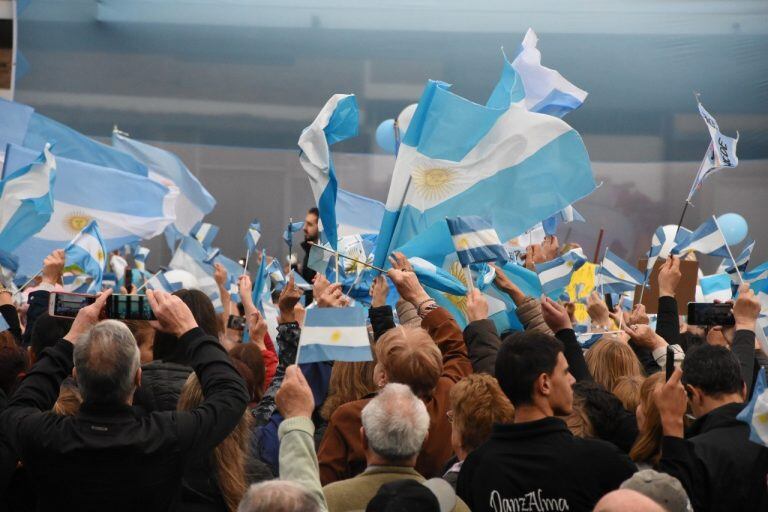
x=31, y=279
x=247, y=257
x=146, y=282
x=599, y=243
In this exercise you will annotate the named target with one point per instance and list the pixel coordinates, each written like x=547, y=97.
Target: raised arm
x=225, y=393
x=746, y=309
x=668, y=319
x=380, y=313
x=559, y=321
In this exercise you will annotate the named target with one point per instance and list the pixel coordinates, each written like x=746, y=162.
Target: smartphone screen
x=236, y=322
x=705, y=313
x=609, y=301
x=68, y=304
x=129, y=307
x=670, y=366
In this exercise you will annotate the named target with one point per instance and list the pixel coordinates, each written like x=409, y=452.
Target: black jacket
x=12, y=319
x=483, y=344
x=112, y=457
x=720, y=468
x=540, y=464
x=307, y=273
x=382, y=320
x=161, y=383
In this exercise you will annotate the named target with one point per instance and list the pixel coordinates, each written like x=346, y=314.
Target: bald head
x=625, y=500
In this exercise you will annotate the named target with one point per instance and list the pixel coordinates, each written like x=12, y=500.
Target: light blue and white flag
x=253, y=235
x=742, y=260
x=118, y=264
x=665, y=238
x=9, y=265
x=334, y=334
x=755, y=414
x=587, y=339
x=194, y=201
x=127, y=207
x=24, y=127
x=26, y=200
x=3, y=324
x=435, y=277
x=190, y=256
x=260, y=284
x=475, y=240
x=707, y=239
x=86, y=257
x=292, y=228
x=498, y=161
x=556, y=274
x=616, y=275
x=319, y=259
x=715, y=287
x=140, y=258
x=564, y=216
x=161, y=283
x=720, y=154
x=546, y=91
x=758, y=273
x=357, y=215
x=299, y=282
x=337, y=121
x=204, y=233
x=211, y=254
x=275, y=273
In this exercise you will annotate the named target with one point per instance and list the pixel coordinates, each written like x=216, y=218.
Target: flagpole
x=600, y=270
x=146, y=282
x=336, y=264
x=31, y=279
x=348, y=258
x=599, y=243
x=682, y=216
x=290, y=245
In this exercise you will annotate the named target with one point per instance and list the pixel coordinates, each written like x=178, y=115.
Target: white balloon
x=404, y=118
x=186, y=279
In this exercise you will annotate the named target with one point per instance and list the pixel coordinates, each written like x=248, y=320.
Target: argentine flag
x=617, y=276
x=755, y=414
x=334, y=334
x=564, y=216
x=337, y=121
x=475, y=240
x=22, y=126
x=86, y=257
x=498, y=161
x=720, y=154
x=299, y=282
x=556, y=274
x=357, y=215
x=292, y=228
x=253, y=235
x=194, y=201
x=190, y=256
x=26, y=201
x=140, y=258
x=436, y=278
x=204, y=233
x=127, y=207
x=663, y=241
x=160, y=282
x=742, y=260
x=546, y=91
x=707, y=239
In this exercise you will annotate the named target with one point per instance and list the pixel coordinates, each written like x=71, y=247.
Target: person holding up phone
x=125, y=460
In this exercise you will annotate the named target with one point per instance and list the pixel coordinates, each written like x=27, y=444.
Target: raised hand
x=294, y=398
x=669, y=276
x=555, y=315
x=220, y=274
x=506, y=285
x=173, y=315
x=598, y=310
x=644, y=336
x=53, y=267
x=379, y=291
x=332, y=297
x=746, y=309
x=405, y=280
x=87, y=317
x=672, y=402
x=477, y=305
x=289, y=297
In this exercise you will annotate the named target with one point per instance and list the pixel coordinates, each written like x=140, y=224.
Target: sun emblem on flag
x=100, y=256
x=76, y=221
x=335, y=336
x=460, y=301
x=463, y=244
x=433, y=183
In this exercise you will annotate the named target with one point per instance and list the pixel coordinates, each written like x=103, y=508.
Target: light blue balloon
x=733, y=226
x=385, y=136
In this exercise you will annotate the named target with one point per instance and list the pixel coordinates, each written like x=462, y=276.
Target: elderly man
x=429, y=359
x=108, y=456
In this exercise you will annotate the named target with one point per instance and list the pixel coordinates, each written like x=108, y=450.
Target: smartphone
x=129, y=307
x=236, y=322
x=66, y=305
x=670, y=366
x=707, y=313
x=128, y=279
x=609, y=301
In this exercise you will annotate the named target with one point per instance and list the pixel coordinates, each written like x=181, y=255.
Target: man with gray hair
x=395, y=425
x=110, y=456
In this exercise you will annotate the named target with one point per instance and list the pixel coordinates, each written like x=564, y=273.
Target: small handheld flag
x=160, y=282
x=253, y=235
x=85, y=256
x=556, y=274
x=334, y=334
x=742, y=260
x=664, y=240
x=204, y=233
x=715, y=287
x=140, y=258
x=707, y=239
x=475, y=240
x=617, y=276
x=290, y=230
x=755, y=414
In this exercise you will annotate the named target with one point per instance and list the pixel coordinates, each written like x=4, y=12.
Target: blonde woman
x=609, y=360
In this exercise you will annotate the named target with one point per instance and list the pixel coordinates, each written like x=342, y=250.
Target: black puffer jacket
x=161, y=383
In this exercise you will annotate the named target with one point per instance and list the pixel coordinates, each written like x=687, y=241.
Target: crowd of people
x=179, y=414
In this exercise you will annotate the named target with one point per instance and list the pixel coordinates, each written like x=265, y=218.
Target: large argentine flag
x=127, y=207
x=26, y=202
x=194, y=201
x=337, y=121
x=86, y=256
x=498, y=161
x=334, y=334
x=436, y=278
x=22, y=126
x=546, y=91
